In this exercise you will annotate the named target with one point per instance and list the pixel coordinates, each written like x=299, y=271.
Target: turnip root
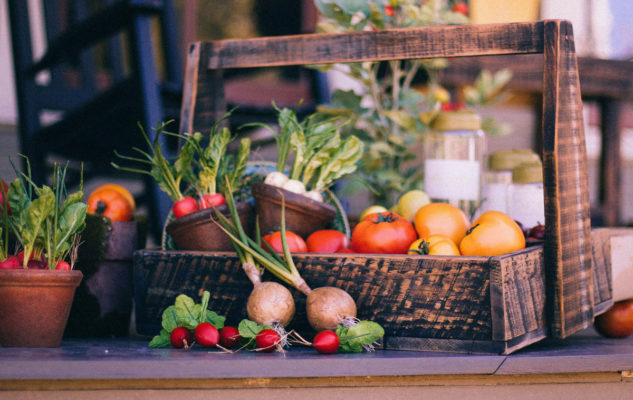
x=294, y=186
x=270, y=303
x=276, y=178
x=314, y=195
x=327, y=307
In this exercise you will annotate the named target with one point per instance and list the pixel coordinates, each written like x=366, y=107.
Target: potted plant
x=37, y=284
x=320, y=157
x=195, y=182
x=393, y=104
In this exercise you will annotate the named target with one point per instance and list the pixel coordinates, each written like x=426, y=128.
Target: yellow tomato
x=493, y=233
x=371, y=210
x=434, y=245
x=410, y=202
x=441, y=219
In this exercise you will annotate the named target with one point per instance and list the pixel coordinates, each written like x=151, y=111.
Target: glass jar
x=526, y=199
x=498, y=178
x=453, y=156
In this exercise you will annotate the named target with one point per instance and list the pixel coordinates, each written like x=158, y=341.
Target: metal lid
x=528, y=172
x=506, y=160
x=461, y=120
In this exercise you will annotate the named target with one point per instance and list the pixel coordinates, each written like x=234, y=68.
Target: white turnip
x=275, y=178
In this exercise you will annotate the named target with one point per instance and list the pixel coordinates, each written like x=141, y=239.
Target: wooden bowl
x=303, y=215
x=197, y=231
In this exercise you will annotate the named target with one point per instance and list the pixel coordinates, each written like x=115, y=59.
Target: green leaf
x=364, y=333
x=187, y=311
x=161, y=340
x=401, y=118
x=215, y=319
x=169, y=320
x=249, y=329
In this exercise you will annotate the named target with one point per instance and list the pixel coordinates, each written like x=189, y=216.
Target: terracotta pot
x=103, y=300
x=197, y=231
x=34, y=306
x=303, y=215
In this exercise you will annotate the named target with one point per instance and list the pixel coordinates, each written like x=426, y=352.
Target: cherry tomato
x=441, y=219
x=184, y=206
x=180, y=337
x=434, y=245
x=295, y=243
x=117, y=188
x=326, y=342
x=267, y=340
x=385, y=233
x=111, y=204
x=327, y=241
x=389, y=11
x=460, y=7
x=493, y=233
x=4, y=199
x=229, y=336
x=206, y=335
x=211, y=200
x=617, y=322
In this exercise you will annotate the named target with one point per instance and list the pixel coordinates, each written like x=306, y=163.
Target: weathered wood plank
x=394, y=44
x=569, y=275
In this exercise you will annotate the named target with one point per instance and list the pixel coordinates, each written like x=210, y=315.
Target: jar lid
x=461, y=120
x=506, y=160
x=528, y=172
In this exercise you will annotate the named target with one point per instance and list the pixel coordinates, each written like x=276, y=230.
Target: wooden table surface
x=104, y=367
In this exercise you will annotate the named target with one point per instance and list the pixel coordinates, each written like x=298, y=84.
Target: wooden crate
x=465, y=304
x=570, y=292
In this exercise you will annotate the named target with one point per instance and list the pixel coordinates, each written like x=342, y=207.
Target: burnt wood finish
x=450, y=304
x=567, y=255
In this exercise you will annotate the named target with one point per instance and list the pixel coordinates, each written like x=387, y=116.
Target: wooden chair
x=569, y=275
x=102, y=76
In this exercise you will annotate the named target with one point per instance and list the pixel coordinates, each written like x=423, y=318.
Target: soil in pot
x=34, y=306
x=303, y=215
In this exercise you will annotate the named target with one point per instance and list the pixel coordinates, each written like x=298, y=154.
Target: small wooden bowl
x=303, y=215
x=197, y=231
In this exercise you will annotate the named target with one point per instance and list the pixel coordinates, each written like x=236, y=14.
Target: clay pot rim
x=202, y=217
x=44, y=277
x=292, y=200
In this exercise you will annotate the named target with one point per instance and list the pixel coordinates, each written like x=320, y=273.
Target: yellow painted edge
x=367, y=381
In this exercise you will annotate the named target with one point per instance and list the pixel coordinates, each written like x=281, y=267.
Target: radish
x=62, y=266
x=326, y=342
x=327, y=307
x=229, y=336
x=267, y=340
x=10, y=263
x=186, y=205
x=206, y=335
x=180, y=337
x=294, y=186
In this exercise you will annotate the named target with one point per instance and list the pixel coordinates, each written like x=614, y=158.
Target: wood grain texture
x=569, y=274
x=601, y=259
x=456, y=299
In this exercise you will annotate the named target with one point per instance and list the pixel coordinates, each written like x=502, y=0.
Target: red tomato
x=184, y=206
x=389, y=11
x=295, y=243
x=346, y=250
x=385, y=233
x=461, y=7
x=211, y=200
x=617, y=322
x=4, y=199
x=327, y=241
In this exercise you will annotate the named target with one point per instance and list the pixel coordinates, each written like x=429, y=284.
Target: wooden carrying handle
x=568, y=247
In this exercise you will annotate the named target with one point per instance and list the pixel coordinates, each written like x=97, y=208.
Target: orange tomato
x=110, y=203
x=493, y=233
x=117, y=188
x=441, y=219
x=434, y=245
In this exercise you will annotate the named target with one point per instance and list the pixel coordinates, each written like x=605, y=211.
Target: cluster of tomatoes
x=436, y=229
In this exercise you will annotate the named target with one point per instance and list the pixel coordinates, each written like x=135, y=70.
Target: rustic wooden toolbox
x=465, y=304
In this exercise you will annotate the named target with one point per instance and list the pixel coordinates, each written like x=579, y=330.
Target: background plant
x=393, y=110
